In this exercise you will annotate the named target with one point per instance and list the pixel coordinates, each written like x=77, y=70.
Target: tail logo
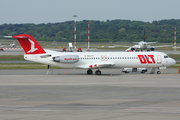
x=32, y=47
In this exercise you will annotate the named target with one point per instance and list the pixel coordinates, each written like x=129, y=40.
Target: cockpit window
x=165, y=56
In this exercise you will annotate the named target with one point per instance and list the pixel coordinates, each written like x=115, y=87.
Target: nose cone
x=171, y=62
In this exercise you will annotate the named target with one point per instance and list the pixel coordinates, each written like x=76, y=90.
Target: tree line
x=100, y=31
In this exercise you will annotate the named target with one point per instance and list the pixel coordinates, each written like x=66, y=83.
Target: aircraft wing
x=122, y=46
x=146, y=42
x=136, y=46
x=160, y=46
x=151, y=42
x=96, y=65
x=136, y=42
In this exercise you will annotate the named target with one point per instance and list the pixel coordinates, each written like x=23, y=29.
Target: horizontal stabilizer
x=8, y=36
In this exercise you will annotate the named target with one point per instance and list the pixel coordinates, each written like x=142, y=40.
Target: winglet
x=29, y=44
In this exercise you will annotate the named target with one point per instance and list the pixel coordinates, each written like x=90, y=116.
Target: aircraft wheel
x=89, y=72
x=143, y=71
x=158, y=72
x=126, y=72
x=98, y=72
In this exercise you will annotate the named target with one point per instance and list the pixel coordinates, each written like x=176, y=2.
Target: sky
x=53, y=11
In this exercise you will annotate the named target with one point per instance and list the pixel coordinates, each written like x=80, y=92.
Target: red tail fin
x=29, y=44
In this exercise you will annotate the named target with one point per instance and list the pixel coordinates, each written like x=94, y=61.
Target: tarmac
x=71, y=94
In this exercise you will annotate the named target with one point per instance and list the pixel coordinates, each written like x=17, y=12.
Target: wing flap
x=162, y=46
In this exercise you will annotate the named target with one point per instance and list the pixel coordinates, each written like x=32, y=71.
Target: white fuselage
x=143, y=45
x=90, y=60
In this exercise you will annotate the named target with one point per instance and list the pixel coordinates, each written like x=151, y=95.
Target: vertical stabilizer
x=29, y=44
x=144, y=36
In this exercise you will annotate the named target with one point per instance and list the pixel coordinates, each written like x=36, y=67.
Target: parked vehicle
x=127, y=70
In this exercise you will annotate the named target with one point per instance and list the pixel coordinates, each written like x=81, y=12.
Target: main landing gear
x=98, y=72
x=48, y=69
x=90, y=72
x=158, y=72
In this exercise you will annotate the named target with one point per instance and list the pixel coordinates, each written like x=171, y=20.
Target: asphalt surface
x=71, y=94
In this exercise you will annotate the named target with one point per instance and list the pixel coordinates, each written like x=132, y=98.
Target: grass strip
x=11, y=57
x=174, y=56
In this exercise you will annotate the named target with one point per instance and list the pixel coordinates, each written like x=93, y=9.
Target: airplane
x=142, y=45
x=91, y=60
x=1, y=47
x=175, y=48
x=13, y=44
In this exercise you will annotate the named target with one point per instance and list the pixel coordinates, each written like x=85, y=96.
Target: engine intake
x=66, y=59
x=152, y=49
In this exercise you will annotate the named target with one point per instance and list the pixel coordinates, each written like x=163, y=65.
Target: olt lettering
x=146, y=59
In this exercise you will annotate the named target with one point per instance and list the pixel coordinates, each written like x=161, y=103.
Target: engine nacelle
x=66, y=59
x=132, y=49
x=152, y=49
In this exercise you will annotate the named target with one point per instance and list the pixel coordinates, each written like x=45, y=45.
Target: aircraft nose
x=171, y=62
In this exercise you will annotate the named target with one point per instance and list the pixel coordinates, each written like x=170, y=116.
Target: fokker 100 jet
x=91, y=60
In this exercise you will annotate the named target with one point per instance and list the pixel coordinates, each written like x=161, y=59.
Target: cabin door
x=159, y=59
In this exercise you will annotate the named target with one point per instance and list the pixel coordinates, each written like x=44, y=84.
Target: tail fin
x=29, y=44
x=144, y=37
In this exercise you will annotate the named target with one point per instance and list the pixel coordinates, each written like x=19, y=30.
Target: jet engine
x=66, y=59
x=132, y=49
x=152, y=49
